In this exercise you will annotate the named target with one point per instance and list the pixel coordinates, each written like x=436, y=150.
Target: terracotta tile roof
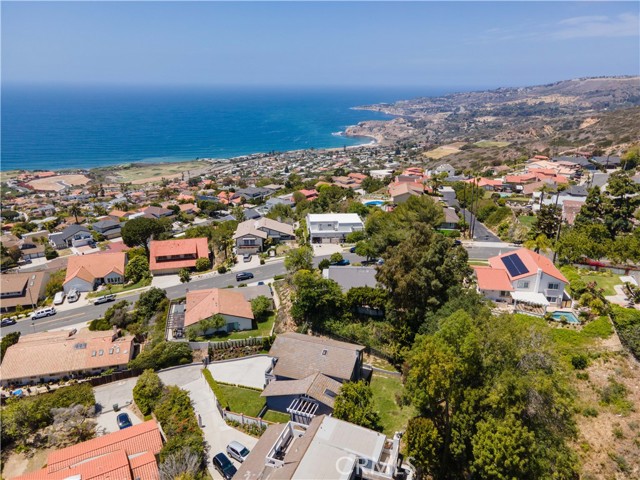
x=61, y=353
x=114, y=466
x=144, y=467
x=141, y=438
x=301, y=355
x=199, y=247
x=532, y=261
x=492, y=279
x=18, y=282
x=396, y=189
x=90, y=267
x=203, y=304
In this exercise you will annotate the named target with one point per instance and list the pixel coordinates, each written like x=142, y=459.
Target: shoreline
x=373, y=142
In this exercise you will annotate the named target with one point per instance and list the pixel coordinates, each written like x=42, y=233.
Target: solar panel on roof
x=514, y=265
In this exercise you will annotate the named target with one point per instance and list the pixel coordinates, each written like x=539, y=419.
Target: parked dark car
x=342, y=262
x=222, y=463
x=352, y=250
x=457, y=242
x=243, y=276
x=124, y=421
x=7, y=321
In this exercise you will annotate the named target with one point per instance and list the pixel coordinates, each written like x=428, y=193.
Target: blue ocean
x=70, y=127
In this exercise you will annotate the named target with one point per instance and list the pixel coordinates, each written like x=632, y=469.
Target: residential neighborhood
x=293, y=316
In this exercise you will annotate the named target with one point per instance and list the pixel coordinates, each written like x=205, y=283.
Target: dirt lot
x=608, y=441
x=57, y=183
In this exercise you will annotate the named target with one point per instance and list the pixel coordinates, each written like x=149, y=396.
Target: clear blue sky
x=433, y=44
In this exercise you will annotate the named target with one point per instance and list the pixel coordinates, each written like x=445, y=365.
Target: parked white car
x=45, y=312
x=58, y=299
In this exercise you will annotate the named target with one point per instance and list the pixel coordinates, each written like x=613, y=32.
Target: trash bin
x=116, y=408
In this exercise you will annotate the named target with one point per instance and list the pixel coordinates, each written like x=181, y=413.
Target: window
x=552, y=299
x=503, y=293
x=523, y=284
x=553, y=286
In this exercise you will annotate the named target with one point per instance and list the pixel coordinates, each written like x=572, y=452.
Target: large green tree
x=148, y=391
x=316, y=299
x=137, y=269
x=139, y=231
x=299, y=259
x=354, y=404
x=419, y=271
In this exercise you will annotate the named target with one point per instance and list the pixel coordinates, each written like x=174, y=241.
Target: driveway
x=246, y=371
x=107, y=421
x=216, y=432
x=321, y=249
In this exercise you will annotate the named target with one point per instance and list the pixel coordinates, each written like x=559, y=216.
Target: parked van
x=59, y=298
x=73, y=296
x=45, y=312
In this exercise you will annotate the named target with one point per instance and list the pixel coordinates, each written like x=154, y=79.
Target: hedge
x=217, y=391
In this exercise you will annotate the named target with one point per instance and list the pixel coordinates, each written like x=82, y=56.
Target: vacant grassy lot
x=141, y=173
x=490, y=143
x=440, y=152
x=606, y=282
x=263, y=330
x=243, y=400
x=392, y=417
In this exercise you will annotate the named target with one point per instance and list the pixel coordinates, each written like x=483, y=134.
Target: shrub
x=148, y=391
x=203, y=264
x=8, y=340
x=164, y=354
x=261, y=307
x=215, y=388
x=590, y=412
x=177, y=417
x=99, y=324
x=222, y=269
x=579, y=362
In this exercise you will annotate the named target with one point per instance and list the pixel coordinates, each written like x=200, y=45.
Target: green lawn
x=478, y=262
x=243, y=400
x=392, y=417
x=605, y=282
x=120, y=288
x=527, y=220
x=276, y=417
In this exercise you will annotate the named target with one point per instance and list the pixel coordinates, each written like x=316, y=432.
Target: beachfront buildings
x=251, y=234
x=50, y=356
x=128, y=454
x=332, y=227
x=171, y=256
x=522, y=277
x=327, y=448
x=86, y=272
x=24, y=289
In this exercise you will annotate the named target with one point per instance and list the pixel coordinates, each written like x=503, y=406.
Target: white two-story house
x=332, y=227
x=522, y=277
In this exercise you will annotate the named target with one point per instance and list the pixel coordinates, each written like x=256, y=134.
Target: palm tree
x=538, y=244
x=75, y=211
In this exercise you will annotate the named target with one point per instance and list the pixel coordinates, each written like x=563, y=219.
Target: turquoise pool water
x=374, y=203
x=568, y=317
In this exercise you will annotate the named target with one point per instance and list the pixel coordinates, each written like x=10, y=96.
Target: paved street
x=75, y=317
x=481, y=232
x=216, y=432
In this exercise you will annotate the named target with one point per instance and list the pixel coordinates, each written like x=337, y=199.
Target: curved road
x=68, y=318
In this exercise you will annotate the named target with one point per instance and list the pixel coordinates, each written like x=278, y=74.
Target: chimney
x=538, y=278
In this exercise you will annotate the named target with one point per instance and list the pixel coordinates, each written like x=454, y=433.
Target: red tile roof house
x=522, y=277
x=232, y=306
x=124, y=455
x=49, y=356
x=170, y=256
x=86, y=272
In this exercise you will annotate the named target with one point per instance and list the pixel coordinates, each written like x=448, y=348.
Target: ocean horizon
x=58, y=128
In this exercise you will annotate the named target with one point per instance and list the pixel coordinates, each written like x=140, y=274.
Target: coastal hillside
x=496, y=126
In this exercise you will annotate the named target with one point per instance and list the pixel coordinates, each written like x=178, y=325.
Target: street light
x=33, y=277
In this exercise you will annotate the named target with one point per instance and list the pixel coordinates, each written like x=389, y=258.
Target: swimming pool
x=374, y=203
x=568, y=317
